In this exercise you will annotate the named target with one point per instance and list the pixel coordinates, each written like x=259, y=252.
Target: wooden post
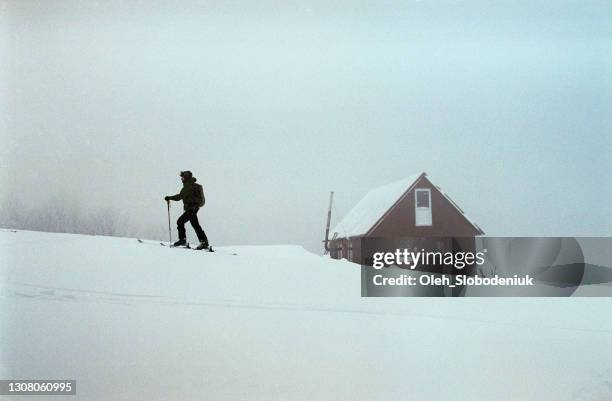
x=329, y=210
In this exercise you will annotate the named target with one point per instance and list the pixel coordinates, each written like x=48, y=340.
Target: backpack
x=199, y=195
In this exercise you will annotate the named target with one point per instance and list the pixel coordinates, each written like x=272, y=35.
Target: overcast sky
x=507, y=106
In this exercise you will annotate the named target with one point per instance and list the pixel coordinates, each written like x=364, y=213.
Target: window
x=422, y=198
x=422, y=207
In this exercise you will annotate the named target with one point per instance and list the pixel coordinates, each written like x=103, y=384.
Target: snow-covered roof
x=372, y=207
x=361, y=218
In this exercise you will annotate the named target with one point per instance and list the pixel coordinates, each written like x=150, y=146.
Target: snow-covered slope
x=133, y=321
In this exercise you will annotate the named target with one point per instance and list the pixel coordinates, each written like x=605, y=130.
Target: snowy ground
x=134, y=321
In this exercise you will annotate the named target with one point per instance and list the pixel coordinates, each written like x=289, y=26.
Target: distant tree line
x=61, y=215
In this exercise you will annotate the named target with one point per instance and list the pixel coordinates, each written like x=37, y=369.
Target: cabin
x=411, y=213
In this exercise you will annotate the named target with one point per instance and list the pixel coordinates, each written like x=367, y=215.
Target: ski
x=209, y=249
x=150, y=243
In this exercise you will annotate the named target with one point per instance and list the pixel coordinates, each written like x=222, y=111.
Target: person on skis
x=192, y=196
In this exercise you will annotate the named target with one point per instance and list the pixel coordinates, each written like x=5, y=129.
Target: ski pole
x=169, y=230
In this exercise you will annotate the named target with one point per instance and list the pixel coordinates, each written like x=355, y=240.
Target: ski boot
x=203, y=246
x=181, y=242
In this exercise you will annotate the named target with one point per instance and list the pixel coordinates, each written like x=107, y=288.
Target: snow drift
x=138, y=321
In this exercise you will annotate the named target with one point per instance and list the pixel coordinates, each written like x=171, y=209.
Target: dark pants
x=190, y=215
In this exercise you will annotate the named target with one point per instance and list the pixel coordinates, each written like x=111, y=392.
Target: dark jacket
x=187, y=195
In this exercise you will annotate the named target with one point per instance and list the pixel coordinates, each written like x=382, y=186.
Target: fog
x=508, y=107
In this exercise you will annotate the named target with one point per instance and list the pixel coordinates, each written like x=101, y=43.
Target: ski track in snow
x=46, y=293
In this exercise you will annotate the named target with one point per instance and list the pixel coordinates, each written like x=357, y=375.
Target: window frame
x=416, y=207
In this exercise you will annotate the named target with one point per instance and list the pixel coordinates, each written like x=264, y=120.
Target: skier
x=192, y=196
